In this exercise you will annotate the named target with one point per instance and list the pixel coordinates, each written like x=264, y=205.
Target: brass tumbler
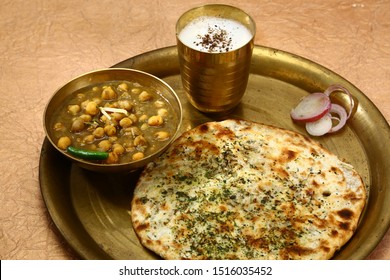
x=215, y=81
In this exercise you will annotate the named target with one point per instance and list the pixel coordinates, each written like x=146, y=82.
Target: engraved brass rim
x=91, y=212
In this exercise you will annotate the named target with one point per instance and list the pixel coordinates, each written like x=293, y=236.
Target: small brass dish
x=111, y=75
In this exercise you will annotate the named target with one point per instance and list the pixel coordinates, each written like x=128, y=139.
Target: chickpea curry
x=114, y=122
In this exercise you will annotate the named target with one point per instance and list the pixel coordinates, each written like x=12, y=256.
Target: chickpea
x=108, y=93
x=125, y=104
x=104, y=145
x=125, y=122
x=113, y=139
x=64, y=142
x=135, y=131
x=104, y=119
x=89, y=139
x=113, y=122
x=161, y=135
x=74, y=109
x=97, y=100
x=162, y=112
x=133, y=117
x=125, y=95
x=118, y=149
x=110, y=130
x=155, y=120
x=77, y=125
x=123, y=87
x=93, y=147
x=112, y=158
x=143, y=118
x=117, y=116
x=92, y=108
x=58, y=126
x=84, y=104
x=86, y=118
x=98, y=132
x=129, y=147
x=138, y=156
x=159, y=104
x=140, y=141
x=114, y=104
x=144, y=126
x=136, y=90
x=145, y=96
x=125, y=132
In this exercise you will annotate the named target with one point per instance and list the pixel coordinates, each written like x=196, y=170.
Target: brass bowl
x=106, y=75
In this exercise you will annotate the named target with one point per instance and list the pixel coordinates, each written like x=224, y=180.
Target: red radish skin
x=311, y=108
x=342, y=119
x=339, y=88
x=317, y=111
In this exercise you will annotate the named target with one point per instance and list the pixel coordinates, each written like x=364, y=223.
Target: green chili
x=87, y=154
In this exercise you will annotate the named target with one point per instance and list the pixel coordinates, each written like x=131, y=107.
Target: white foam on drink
x=214, y=34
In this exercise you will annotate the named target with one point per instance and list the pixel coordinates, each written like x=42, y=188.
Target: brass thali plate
x=91, y=210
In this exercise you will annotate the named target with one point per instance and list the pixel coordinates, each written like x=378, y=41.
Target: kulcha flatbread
x=243, y=190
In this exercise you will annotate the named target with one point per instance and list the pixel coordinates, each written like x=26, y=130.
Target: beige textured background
x=43, y=44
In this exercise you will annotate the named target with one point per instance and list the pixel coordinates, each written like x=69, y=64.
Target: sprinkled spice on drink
x=214, y=34
x=215, y=40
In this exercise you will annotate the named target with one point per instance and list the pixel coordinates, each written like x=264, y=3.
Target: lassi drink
x=215, y=44
x=213, y=34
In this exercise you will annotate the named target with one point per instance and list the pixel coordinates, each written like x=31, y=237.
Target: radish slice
x=321, y=126
x=340, y=111
x=334, y=88
x=319, y=114
x=311, y=108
